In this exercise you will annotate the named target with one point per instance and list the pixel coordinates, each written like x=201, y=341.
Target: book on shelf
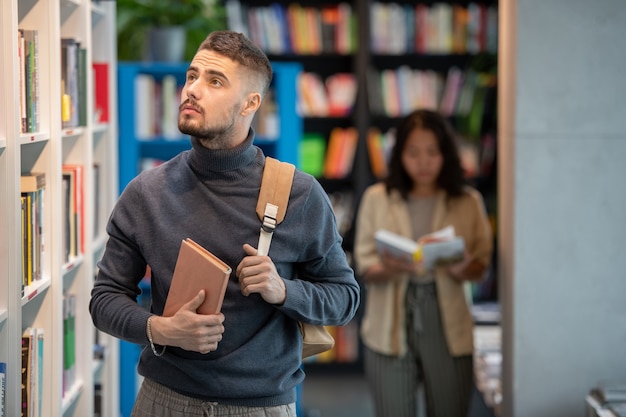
x=341, y=91
x=197, y=269
x=340, y=152
x=3, y=388
x=70, y=82
x=69, y=341
x=439, y=247
x=32, y=372
x=101, y=91
x=32, y=196
x=311, y=151
x=28, y=56
x=376, y=152
x=26, y=379
x=73, y=200
x=97, y=190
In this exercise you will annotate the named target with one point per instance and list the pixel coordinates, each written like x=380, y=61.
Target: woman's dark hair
x=242, y=50
x=451, y=177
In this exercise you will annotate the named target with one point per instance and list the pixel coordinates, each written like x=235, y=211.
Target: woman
x=417, y=325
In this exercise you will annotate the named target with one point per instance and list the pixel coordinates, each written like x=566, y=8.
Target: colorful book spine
x=3, y=387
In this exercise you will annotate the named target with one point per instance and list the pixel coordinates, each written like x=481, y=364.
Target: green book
x=311, y=154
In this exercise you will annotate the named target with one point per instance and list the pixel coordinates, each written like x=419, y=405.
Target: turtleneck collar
x=211, y=161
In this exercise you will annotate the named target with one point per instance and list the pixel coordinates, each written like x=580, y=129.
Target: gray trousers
x=156, y=400
x=447, y=380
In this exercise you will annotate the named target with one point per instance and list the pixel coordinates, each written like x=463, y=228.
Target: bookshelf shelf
x=35, y=291
x=36, y=140
x=29, y=138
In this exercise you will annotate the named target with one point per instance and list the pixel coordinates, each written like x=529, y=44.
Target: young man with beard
x=246, y=360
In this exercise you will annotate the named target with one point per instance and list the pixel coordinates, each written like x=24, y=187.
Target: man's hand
x=189, y=330
x=257, y=274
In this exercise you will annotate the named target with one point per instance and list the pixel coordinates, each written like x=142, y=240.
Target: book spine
x=3, y=386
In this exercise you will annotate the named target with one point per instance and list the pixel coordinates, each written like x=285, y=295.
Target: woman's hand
x=469, y=269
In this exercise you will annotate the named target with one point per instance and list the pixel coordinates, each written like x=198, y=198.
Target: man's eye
x=191, y=77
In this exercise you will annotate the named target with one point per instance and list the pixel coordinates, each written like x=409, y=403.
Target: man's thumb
x=249, y=250
x=196, y=301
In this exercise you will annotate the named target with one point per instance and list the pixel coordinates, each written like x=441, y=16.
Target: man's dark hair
x=451, y=177
x=242, y=50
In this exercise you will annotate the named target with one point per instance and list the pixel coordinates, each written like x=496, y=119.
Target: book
x=32, y=181
x=197, y=269
x=101, y=92
x=26, y=375
x=3, y=387
x=439, y=247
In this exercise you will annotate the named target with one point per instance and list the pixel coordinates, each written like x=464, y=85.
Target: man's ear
x=252, y=104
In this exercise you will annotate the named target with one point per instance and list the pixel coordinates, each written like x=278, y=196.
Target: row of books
x=32, y=196
x=32, y=372
x=156, y=107
x=438, y=28
x=28, y=59
x=74, y=86
x=73, y=83
x=331, y=97
x=330, y=158
x=395, y=92
x=294, y=28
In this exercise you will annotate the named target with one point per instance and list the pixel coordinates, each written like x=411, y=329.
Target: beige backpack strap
x=275, y=187
x=273, y=199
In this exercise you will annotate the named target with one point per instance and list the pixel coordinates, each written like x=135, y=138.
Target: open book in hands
x=436, y=248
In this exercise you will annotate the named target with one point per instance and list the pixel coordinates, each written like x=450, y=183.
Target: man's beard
x=208, y=133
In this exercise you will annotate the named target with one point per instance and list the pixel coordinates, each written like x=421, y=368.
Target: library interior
x=533, y=90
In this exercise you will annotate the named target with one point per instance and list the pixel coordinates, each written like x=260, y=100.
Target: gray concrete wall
x=562, y=201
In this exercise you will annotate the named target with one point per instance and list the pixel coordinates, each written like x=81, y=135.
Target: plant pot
x=166, y=44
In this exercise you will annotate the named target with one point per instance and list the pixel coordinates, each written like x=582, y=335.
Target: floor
x=338, y=394
x=346, y=394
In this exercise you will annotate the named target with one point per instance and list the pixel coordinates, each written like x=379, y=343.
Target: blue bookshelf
x=132, y=150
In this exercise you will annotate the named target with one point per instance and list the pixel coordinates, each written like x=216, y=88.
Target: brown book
x=197, y=269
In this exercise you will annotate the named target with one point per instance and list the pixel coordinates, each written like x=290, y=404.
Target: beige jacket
x=383, y=326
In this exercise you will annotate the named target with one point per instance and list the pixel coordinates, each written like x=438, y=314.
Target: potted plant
x=165, y=30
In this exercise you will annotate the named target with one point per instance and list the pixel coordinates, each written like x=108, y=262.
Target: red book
x=101, y=96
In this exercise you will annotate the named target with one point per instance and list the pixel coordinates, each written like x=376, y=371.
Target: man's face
x=213, y=97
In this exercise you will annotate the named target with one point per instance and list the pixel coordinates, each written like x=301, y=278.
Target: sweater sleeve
x=113, y=304
x=323, y=289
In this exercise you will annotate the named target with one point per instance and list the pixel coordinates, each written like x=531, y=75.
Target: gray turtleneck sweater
x=210, y=196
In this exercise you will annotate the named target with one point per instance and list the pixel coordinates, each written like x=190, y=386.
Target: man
x=246, y=360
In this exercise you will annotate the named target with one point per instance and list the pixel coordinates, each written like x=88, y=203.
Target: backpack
x=271, y=208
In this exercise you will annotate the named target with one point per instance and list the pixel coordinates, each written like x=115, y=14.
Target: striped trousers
x=156, y=400
x=447, y=380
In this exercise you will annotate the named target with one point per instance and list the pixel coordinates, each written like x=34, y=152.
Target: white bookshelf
x=46, y=150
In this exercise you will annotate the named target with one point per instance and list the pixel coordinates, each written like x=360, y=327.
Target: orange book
x=197, y=269
x=376, y=153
